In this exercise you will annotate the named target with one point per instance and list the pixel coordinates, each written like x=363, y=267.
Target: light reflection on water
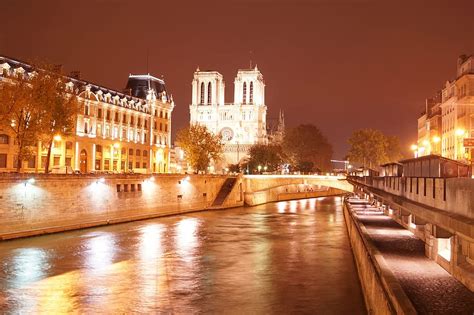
x=285, y=257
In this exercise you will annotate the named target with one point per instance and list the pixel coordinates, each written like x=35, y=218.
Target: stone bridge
x=261, y=189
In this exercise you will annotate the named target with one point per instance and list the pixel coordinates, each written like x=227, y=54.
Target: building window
x=68, y=145
x=4, y=139
x=86, y=127
x=99, y=113
x=161, y=126
x=43, y=161
x=137, y=164
x=107, y=117
x=107, y=165
x=137, y=153
x=132, y=120
x=56, y=160
x=202, y=95
x=209, y=93
x=3, y=160
x=130, y=165
x=130, y=152
x=251, y=93
x=67, y=161
x=144, y=164
x=86, y=110
x=139, y=122
x=166, y=128
x=145, y=153
x=32, y=162
x=244, y=98
x=166, y=115
x=145, y=121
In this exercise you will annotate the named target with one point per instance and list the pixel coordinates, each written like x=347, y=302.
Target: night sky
x=340, y=64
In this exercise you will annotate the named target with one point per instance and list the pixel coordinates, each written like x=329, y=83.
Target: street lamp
x=259, y=168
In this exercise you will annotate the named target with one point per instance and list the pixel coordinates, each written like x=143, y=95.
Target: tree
x=268, y=156
x=200, y=146
x=60, y=108
x=393, y=149
x=20, y=114
x=371, y=147
x=307, y=148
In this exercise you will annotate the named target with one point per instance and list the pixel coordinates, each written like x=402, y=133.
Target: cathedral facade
x=241, y=123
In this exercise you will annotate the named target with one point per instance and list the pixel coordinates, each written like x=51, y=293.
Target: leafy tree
x=264, y=155
x=200, y=146
x=59, y=106
x=20, y=114
x=371, y=147
x=307, y=148
x=394, y=149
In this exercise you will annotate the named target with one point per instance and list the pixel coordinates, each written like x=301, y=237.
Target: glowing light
x=421, y=149
x=57, y=138
x=281, y=207
x=101, y=180
x=426, y=143
x=116, y=145
x=187, y=178
x=414, y=147
x=31, y=181
x=460, y=132
x=151, y=179
x=436, y=139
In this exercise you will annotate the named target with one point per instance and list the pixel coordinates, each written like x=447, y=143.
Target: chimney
x=75, y=74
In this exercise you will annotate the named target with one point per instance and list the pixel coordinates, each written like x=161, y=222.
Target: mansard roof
x=140, y=84
x=84, y=88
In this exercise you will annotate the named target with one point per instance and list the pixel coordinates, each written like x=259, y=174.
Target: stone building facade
x=116, y=131
x=241, y=123
x=447, y=126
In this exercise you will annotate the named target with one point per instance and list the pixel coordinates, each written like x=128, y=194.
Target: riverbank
x=396, y=276
x=46, y=204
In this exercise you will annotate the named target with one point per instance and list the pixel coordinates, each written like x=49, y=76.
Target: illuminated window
x=244, y=98
x=68, y=145
x=202, y=95
x=107, y=165
x=251, y=93
x=3, y=160
x=99, y=113
x=4, y=139
x=209, y=93
x=137, y=153
x=56, y=160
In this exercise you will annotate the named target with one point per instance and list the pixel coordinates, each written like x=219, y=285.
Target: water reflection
x=286, y=257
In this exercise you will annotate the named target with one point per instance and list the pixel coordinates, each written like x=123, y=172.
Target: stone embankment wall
x=53, y=203
x=382, y=292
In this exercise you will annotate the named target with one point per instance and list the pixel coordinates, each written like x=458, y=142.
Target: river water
x=286, y=257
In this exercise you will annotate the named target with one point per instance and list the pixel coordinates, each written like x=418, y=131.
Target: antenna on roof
x=147, y=70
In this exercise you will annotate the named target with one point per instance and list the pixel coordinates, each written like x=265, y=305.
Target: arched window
x=209, y=94
x=137, y=153
x=251, y=93
x=145, y=153
x=202, y=95
x=244, y=98
x=4, y=139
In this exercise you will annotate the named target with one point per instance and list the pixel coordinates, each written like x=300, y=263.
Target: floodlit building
x=116, y=131
x=241, y=123
x=429, y=127
x=446, y=127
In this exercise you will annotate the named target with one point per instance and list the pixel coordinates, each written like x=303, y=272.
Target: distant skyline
x=341, y=65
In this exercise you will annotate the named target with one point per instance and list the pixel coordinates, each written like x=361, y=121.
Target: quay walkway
x=430, y=288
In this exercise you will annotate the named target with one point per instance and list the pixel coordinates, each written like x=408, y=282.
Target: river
x=285, y=257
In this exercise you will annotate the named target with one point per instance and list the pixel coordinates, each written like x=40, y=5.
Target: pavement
x=431, y=289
